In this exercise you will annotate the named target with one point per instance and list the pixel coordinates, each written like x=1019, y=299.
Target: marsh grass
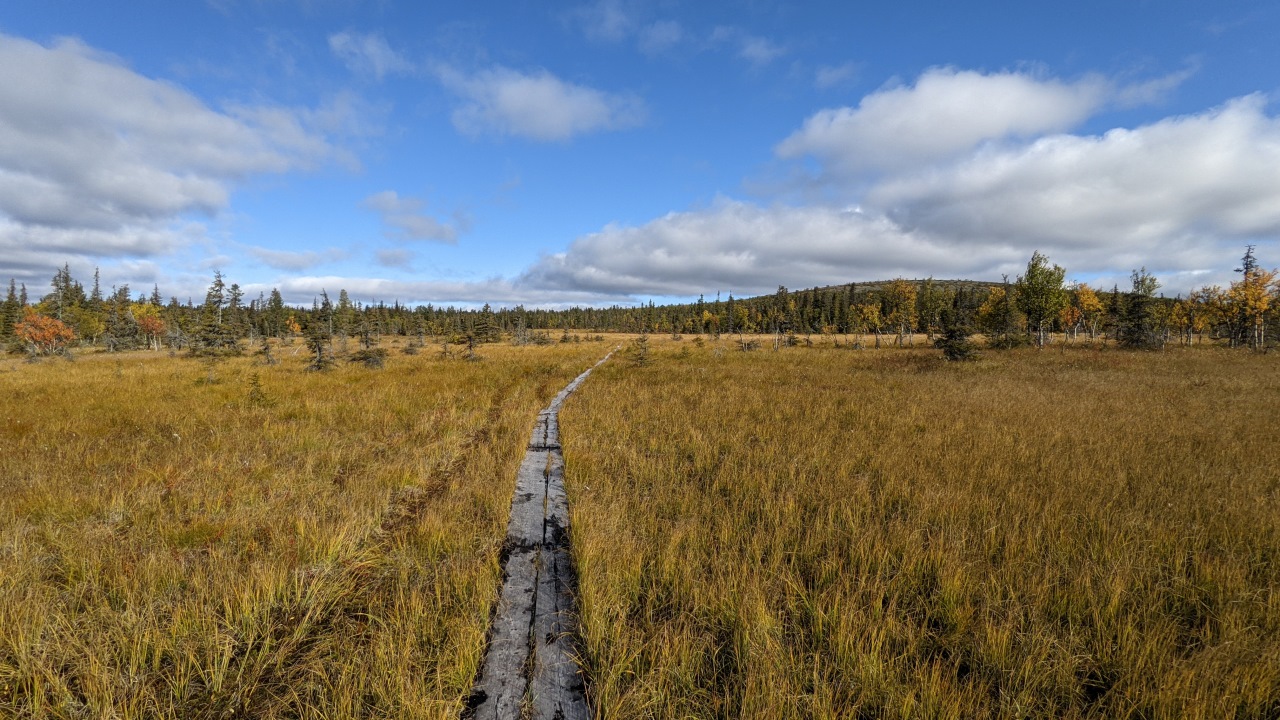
x=825, y=533
x=257, y=541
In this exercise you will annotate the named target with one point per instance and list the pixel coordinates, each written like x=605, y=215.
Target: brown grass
x=326, y=547
x=832, y=533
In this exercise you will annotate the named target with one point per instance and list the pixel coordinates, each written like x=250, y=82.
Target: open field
x=326, y=546
x=832, y=533
x=815, y=532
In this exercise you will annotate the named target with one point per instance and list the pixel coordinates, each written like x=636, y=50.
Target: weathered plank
x=530, y=667
x=504, y=682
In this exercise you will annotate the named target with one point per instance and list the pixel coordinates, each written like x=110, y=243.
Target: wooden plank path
x=529, y=668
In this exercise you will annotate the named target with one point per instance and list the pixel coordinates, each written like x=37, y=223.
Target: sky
x=621, y=151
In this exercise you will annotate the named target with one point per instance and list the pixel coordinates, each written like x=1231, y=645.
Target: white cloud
x=536, y=105
x=106, y=166
x=947, y=112
x=368, y=54
x=405, y=220
x=497, y=291
x=615, y=21
x=758, y=51
x=829, y=76
x=744, y=248
x=395, y=258
x=32, y=252
x=290, y=260
x=1181, y=196
x=1167, y=192
x=1155, y=90
x=605, y=20
x=661, y=36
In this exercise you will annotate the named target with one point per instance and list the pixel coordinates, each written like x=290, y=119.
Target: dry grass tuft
x=185, y=540
x=826, y=533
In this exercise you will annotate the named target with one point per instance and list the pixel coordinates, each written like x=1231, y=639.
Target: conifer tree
x=1250, y=300
x=10, y=312
x=95, y=299
x=213, y=336
x=1137, y=325
x=1115, y=312
x=486, y=328
x=956, y=322
x=1000, y=318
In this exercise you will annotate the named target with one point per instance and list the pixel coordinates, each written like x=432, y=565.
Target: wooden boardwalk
x=529, y=668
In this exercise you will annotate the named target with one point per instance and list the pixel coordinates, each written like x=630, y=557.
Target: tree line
x=1033, y=308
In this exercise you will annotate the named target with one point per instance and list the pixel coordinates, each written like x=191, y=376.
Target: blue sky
x=621, y=150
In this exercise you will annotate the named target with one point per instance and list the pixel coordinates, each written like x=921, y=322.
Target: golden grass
x=171, y=547
x=832, y=533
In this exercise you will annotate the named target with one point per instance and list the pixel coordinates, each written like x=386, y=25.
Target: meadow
x=809, y=532
x=829, y=533
x=180, y=539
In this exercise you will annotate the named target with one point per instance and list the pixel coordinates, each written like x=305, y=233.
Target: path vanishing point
x=529, y=668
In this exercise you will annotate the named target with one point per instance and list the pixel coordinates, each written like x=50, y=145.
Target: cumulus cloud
x=368, y=54
x=106, y=166
x=405, y=220
x=30, y=253
x=1168, y=190
x=946, y=113
x=744, y=248
x=1181, y=196
x=536, y=105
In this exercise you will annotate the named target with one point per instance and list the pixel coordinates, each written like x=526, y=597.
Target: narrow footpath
x=529, y=671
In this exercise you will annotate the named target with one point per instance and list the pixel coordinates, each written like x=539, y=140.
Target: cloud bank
x=965, y=175
x=111, y=163
x=959, y=175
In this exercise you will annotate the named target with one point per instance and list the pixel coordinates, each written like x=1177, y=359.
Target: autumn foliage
x=45, y=335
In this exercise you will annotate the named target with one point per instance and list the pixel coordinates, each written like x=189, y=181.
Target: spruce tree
x=10, y=312
x=486, y=327
x=1137, y=324
x=214, y=336
x=956, y=321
